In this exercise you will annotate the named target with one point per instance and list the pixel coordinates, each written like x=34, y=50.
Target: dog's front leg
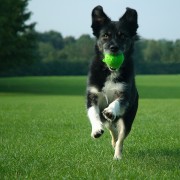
x=97, y=127
x=114, y=110
x=94, y=115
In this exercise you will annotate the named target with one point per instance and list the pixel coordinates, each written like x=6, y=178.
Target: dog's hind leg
x=113, y=131
x=121, y=136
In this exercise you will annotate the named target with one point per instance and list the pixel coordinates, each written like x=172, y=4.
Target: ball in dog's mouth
x=113, y=62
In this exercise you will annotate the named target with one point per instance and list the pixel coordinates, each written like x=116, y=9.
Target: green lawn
x=45, y=133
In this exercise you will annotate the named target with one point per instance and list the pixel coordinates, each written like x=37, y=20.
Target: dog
x=112, y=96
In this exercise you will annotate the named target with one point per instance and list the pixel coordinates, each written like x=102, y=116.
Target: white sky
x=158, y=19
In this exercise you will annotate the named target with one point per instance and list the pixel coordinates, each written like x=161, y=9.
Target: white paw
x=118, y=152
x=117, y=157
x=109, y=114
x=97, y=131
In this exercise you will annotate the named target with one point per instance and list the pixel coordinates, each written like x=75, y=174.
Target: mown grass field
x=45, y=133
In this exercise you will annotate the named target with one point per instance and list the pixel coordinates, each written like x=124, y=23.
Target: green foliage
x=46, y=52
x=52, y=37
x=150, y=56
x=154, y=52
x=17, y=38
x=157, y=57
x=175, y=55
x=45, y=133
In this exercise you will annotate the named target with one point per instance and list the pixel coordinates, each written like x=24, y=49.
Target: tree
x=175, y=55
x=52, y=37
x=69, y=40
x=79, y=51
x=17, y=38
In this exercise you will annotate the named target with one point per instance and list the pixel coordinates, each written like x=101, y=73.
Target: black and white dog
x=112, y=97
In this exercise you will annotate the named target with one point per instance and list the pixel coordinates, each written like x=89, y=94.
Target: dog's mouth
x=112, y=69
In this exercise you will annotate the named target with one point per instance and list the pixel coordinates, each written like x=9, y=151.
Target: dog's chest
x=109, y=93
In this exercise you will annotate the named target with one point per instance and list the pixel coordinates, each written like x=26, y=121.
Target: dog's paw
x=109, y=114
x=117, y=158
x=97, y=132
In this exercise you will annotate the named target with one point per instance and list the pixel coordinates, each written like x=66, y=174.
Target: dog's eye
x=122, y=36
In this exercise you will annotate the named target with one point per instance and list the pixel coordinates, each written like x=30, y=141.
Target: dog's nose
x=114, y=48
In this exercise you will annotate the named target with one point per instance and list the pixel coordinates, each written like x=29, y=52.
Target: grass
x=45, y=134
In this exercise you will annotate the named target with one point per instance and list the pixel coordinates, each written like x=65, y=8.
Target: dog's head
x=114, y=37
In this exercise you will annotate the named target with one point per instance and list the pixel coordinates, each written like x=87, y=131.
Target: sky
x=157, y=19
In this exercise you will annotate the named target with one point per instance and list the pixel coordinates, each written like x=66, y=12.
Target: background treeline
x=70, y=56
x=58, y=55
x=24, y=51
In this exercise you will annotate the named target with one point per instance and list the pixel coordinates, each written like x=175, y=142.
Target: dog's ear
x=129, y=20
x=99, y=19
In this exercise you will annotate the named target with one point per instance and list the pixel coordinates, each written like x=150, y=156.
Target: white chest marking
x=110, y=90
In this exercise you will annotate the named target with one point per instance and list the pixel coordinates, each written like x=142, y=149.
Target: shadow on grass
x=175, y=153
x=158, y=92
x=44, y=85
x=80, y=90
x=165, y=158
x=74, y=86
x=45, y=90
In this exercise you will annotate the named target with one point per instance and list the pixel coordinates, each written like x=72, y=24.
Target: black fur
x=114, y=37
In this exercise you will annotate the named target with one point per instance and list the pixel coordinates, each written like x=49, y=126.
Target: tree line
x=24, y=51
x=70, y=56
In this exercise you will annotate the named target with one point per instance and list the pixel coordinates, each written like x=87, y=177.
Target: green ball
x=113, y=61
